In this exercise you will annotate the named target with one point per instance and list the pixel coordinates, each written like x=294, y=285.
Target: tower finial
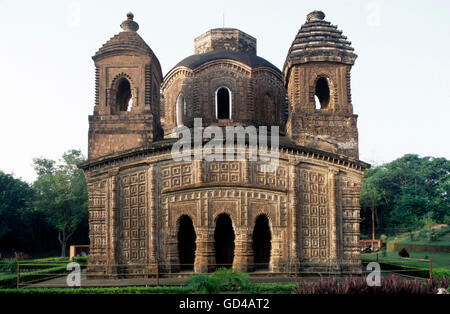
x=315, y=16
x=129, y=25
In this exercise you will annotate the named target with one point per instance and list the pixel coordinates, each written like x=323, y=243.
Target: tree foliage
x=61, y=194
x=14, y=199
x=408, y=192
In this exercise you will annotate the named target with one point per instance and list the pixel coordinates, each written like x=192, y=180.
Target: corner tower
x=316, y=75
x=127, y=94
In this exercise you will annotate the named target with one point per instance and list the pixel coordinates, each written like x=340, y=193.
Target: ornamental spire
x=129, y=25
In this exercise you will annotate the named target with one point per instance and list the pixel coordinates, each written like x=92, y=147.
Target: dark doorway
x=224, y=241
x=261, y=242
x=186, y=243
x=223, y=103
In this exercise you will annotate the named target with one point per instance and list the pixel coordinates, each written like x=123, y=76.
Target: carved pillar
x=332, y=175
x=276, y=253
x=294, y=216
x=339, y=219
x=113, y=223
x=243, y=251
x=172, y=250
x=204, y=254
x=153, y=207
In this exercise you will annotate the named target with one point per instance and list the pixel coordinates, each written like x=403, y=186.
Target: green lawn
x=405, y=239
x=254, y=288
x=439, y=260
x=34, y=270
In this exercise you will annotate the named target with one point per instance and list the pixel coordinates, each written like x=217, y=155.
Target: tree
x=15, y=196
x=410, y=193
x=61, y=194
x=370, y=196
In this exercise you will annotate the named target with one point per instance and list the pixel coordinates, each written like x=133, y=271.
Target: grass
x=112, y=290
x=439, y=260
x=35, y=270
x=405, y=239
x=421, y=236
x=254, y=288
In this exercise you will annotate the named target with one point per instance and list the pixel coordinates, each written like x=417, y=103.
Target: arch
x=223, y=98
x=122, y=97
x=322, y=92
x=224, y=240
x=186, y=237
x=180, y=109
x=262, y=238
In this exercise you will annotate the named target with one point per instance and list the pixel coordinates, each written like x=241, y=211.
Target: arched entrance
x=186, y=243
x=261, y=242
x=224, y=241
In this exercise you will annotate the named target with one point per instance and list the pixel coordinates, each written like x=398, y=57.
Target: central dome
x=224, y=83
x=225, y=43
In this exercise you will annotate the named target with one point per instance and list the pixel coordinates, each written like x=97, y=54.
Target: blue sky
x=400, y=81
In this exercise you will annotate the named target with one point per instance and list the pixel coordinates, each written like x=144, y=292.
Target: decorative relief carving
x=177, y=209
x=176, y=176
x=314, y=214
x=133, y=218
x=278, y=179
x=351, y=209
x=222, y=171
x=97, y=218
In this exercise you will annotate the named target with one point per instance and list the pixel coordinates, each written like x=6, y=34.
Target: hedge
x=113, y=290
x=9, y=281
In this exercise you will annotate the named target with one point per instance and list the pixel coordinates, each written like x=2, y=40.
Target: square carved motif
x=176, y=170
x=165, y=172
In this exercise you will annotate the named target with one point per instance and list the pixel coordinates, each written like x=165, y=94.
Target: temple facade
x=148, y=210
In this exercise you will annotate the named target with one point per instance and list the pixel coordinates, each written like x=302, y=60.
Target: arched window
x=124, y=100
x=322, y=93
x=223, y=103
x=180, y=109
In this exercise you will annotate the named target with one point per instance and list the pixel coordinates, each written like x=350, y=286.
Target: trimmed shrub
x=271, y=288
x=10, y=281
x=403, y=253
x=112, y=290
x=223, y=279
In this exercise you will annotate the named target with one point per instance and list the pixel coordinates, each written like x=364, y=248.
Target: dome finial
x=315, y=16
x=129, y=25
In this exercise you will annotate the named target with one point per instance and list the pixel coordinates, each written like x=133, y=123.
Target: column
x=276, y=252
x=172, y=251
x=243, y=250
x=333, y=226
x=204, y=253
x=113, y=223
